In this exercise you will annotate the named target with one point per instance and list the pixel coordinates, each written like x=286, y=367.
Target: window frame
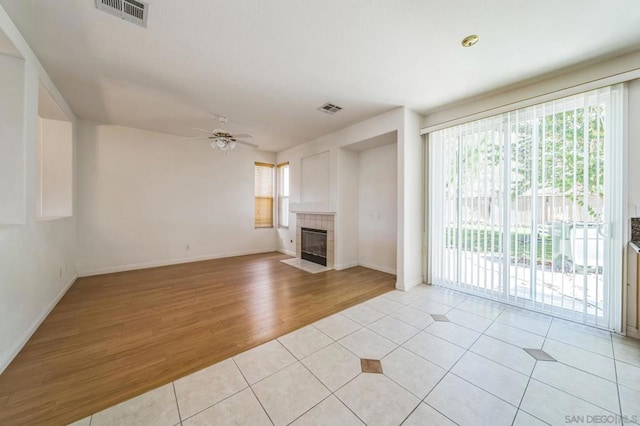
x=280, y=189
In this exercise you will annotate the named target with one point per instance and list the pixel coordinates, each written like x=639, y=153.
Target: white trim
x=22, y=341
x=408, y=286
x=385, y=269
x=633, y=333
x=287, y=252
x=572, y=90
x=145, y=265
x=347, y=265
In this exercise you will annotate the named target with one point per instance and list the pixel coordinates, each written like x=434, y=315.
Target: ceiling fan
x=222, y=139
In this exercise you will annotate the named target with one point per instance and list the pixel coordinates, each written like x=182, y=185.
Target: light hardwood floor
x=116, y=336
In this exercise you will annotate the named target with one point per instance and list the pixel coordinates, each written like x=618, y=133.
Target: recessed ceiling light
x=469, y=41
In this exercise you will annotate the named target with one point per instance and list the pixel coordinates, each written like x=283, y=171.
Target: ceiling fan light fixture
x=470, y=40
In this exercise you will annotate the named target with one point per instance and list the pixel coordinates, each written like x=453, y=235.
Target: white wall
x=37, y=259
x=346, y=220
x=410, y=223
x=633, y=170
x=12, y=161
x=377, y=208
x=145, y=196
x=56, y=178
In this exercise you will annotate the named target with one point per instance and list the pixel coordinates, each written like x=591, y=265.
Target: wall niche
x=55, y=152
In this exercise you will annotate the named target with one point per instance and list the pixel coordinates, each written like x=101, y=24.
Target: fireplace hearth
x=314, y=245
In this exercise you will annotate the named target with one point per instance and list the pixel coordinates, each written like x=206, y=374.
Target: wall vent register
x=329, y=108
x=130, y=10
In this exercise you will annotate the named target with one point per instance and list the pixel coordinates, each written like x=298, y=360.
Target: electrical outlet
x=60, y=273
x=188, y=247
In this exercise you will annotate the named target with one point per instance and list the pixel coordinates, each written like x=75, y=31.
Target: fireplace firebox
x=314, y=245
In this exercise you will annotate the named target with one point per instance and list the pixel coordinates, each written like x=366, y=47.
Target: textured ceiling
x=268, y=64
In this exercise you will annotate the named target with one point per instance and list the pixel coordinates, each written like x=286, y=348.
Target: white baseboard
x=633, y=332
x=386, y=269
x=15, y=350
x=145, y=265
x=287, y=252
x=341, y=266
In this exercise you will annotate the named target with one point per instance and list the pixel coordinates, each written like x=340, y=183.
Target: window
x=525, y=206
x=264, y=195
x=283, y=195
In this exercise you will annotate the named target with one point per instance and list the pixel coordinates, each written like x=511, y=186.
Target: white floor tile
x=377, y=400
x=447, y=297
x=430, y=307
x=208, y=386
x=82, y=422
x=524, y=419
x=627, y=351
x=362, y=314
x=467, y=404
x=367, y=344
x=593, y=389
x=337, y=326
x=553, y=406
x=496, y=379
x=403, y=297
x=515, y=336
x=157, y=407
x=630, y=401
x=412, y=372
x=453, y=333
x=526, y=320
x=333, y=365
x=289, y=393
x=264, y=360
x=426, y=415
x=484, y=308
x=628, y=375
x=434, y=349
x=383, y=304
x=582, y=328
x=590, y=342
x=330, y=411
x=414, y=317
x=469, y=320
x=581, y=359
x=505, y=354
x=241, y=409
x=305, y=341
x=394, y=329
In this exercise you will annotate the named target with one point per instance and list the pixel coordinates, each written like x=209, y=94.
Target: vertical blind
x=263, y=195
x=525, y=207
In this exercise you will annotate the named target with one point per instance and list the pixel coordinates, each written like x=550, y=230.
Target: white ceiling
x=268, y=64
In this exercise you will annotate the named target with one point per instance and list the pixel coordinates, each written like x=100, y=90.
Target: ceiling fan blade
x=242, y=135
x=201, y=130
x=249, y=144
x=196, y=137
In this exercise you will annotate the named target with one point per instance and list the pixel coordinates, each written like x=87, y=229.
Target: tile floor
x=469, y=369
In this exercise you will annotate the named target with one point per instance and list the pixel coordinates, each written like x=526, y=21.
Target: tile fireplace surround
x=322, y=221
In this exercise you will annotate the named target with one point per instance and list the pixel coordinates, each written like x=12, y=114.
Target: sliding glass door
x=523, y=204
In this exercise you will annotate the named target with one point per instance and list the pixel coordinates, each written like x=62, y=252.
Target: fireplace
x=314, y=245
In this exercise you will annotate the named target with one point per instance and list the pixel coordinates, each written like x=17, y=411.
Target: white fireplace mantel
x=313, y=208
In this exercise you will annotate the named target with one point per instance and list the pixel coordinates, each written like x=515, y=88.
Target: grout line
x=252, y=391
x=615, y=369
x=173, y=385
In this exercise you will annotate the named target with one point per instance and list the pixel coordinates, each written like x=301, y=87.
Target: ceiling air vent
x=329, y=108
x=129, y=10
